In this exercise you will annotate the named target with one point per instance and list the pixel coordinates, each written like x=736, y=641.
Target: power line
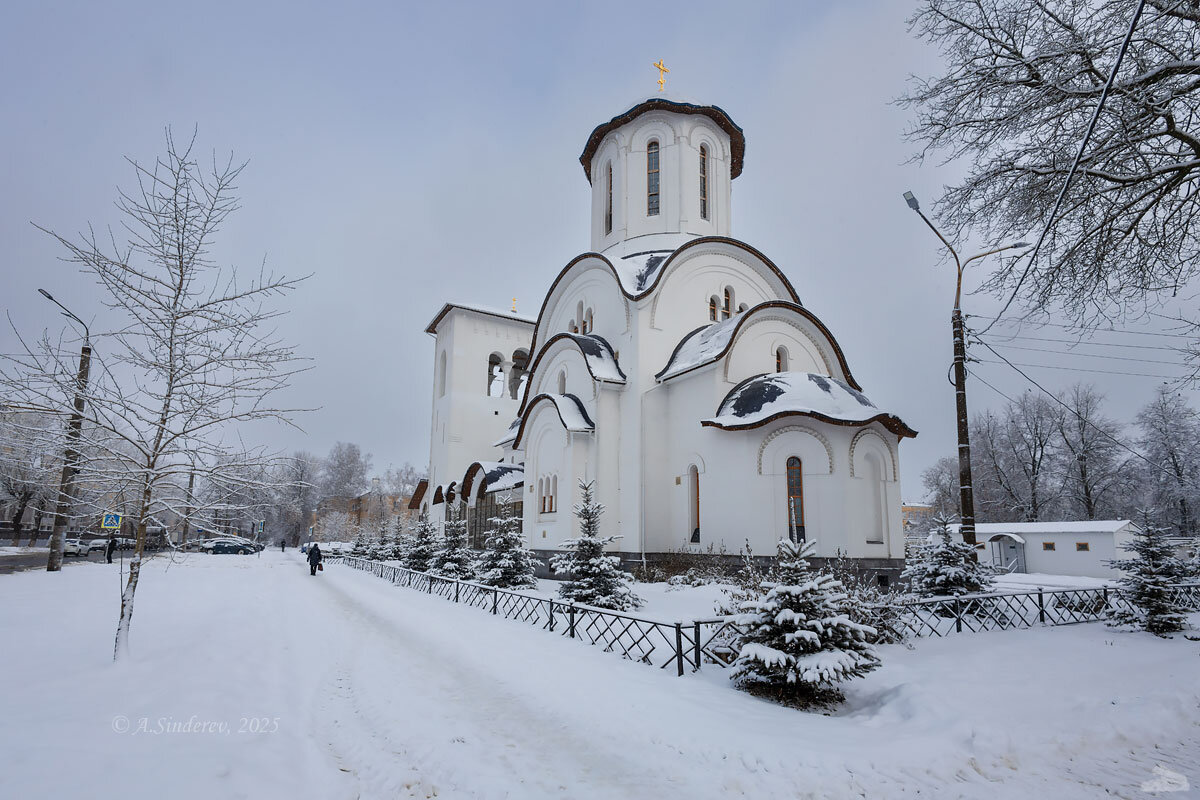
x=1079, y=343
x=1074, y=369
x=1080, y=328
x=1112, y=78
x=1105, y=356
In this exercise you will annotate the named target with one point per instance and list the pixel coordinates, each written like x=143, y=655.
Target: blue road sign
x=111, y=522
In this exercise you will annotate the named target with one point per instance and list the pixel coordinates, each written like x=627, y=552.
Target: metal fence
x=682, y=645
x=688, y=645
x=1013, y=610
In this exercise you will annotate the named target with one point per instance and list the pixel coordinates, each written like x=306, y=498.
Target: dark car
x=232, y=547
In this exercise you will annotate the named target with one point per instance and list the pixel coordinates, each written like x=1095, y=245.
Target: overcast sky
x=407, y=155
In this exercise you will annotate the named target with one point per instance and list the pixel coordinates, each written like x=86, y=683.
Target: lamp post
x=66, y=489
x=966, y=494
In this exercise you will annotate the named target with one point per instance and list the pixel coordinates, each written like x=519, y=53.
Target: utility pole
x=187, y=519
x=966, y=494
x=66, y=490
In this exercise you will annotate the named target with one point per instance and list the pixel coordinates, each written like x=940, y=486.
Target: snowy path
x=381, y=692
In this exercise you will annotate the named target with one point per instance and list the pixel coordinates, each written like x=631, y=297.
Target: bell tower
x=661, y=174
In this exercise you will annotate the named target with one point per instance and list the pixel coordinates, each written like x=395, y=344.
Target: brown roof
x=716, y=114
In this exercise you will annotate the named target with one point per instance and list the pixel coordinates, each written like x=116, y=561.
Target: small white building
x=1055, y=548
x=673, y=365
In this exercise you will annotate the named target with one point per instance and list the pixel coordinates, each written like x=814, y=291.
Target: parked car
x=97, y=544
x=74, y=547
x=232, y=547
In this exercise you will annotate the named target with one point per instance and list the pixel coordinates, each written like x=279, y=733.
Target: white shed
x=1055, y=548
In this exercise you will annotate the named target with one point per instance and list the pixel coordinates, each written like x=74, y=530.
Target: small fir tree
x=401, y=539
x=424, y=545
x=798, y=641
x=359, y=548
x=944, y=567
x=867, y=603
x=1146, y=583
x=454, y=559
x=505, y=562
x=596, y=579
x=377, y=549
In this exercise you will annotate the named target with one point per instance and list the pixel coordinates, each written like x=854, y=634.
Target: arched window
x=703, y=181
x=694, y=504
x=781, y=359
x=727, y=309
x=562, y=382
x=553, y=493
x=742, y=308
x=588, y=325
x=795, y=500
x=542, y=495
x=652, y=179
x=517, y=375
x=495, y=383
x=877, y=515
x=712, y=308
x=608, y=199
x=441, y=375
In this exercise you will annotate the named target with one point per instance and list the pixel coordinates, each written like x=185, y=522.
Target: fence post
x=495, y=598
x=571, y=619
x=1041, y=607
x=429, y=583
x=1106, y=598
x=456, y=585
x=551, y=602
x=679, y=647
x=957, y=615
x=697, y=624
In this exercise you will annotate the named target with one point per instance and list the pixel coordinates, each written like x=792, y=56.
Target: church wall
x=592, y=288
x=753, y=351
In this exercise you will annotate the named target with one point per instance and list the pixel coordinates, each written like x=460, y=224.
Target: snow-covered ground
x=344, y=686
x=9, y=550
x=1030, y=581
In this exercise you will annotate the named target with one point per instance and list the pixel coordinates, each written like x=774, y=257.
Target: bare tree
x=29, y=451
x=941, y=486
x=344, y=471
x=1022, y=80
x=192, y=356
x=1171, y=442
x=402, y=481
x=298, y=476
x=1016, y=455
x=1092, y=462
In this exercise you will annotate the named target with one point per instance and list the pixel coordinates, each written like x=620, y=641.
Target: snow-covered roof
x=1017, y=528
x=759, y=400
x=478, y=309
x=599, y=356
x=509, y=434
x=700, y=346
x=638, y=271
x=737, y=138
x=571, y=413
x=496, y=476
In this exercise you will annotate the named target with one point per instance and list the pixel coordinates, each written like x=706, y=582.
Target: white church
x=673, y=365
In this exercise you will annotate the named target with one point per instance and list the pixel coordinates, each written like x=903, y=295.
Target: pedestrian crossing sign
x=111, y=522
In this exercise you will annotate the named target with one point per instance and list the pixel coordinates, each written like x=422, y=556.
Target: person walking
x=108, y=550
x=314, y=559
x=282, y=545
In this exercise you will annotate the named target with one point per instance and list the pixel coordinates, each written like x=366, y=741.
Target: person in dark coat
x=282, y=545
x=108, y=550
x=314, y=558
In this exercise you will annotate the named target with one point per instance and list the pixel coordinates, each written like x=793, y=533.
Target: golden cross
x=662, y=71
x=514, y=305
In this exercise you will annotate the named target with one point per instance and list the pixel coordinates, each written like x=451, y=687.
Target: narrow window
x=727, y=309
x=1082, y=547
x=588, y=325
x=703, y=181
x=495, y=384
x=694, y=504
x=608, y=199
x=1047, y=545
x=712, y=308
x=542, y=495
x=781, y=359
x=795, y=500
x=554, y=493
x=517, y=376
x=562, y=382
x=441, y=374
x=652, y=179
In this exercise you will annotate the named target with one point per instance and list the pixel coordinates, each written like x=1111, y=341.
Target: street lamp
x=66, y=489
x=966, y=495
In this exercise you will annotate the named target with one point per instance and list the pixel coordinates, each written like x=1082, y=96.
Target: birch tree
x=191, y=354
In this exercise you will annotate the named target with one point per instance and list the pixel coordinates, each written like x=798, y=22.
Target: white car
x=97, y=544
x=74, y=547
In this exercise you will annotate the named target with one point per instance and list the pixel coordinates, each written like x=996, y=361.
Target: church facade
x=673, y=365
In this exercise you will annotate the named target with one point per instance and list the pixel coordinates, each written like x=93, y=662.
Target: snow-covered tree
x=595, y=578
x=798, y=642
x=297, y=496
x=396, y=539
x=424, y=545
x=338, y=526
x=505, y=561
x=30, y=444
x=866, y=603
x=344, y=471
x=378, y=547
x=1170, y=440
x=945, y=566
x=454, y=558
x=361, y=546
x=192, y=355
x=1146, y=583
